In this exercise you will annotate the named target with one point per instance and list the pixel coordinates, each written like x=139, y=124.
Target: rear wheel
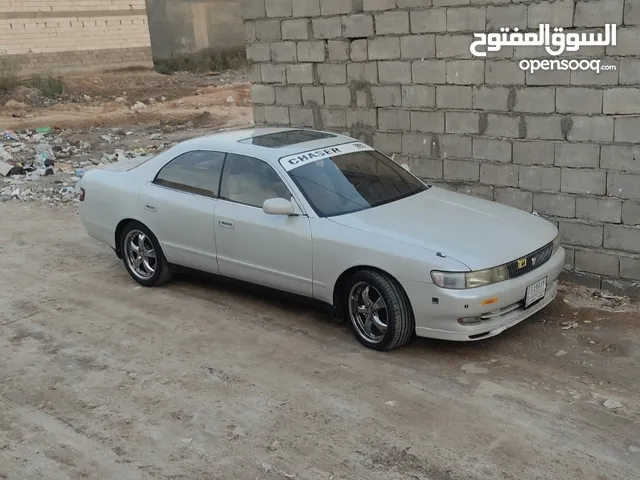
x=378, y=310
x=143, y=257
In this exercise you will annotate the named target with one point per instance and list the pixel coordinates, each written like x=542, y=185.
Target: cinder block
x=577, y=155
x=454, y=146
x=426, y=167
x=276, y=115
x=297, y=29
x=604, y=77
x=378, y=5
x=313, y=51
x=595, y=13
x=465, y=72
x=540, y=179
x=461, y=170
x=250, y=32
x=595, y=129
x=259, y=114
x=622, y=100
x=284, y=52
x=338, y=7
x=268, y=30
x=386, y=96
x=290, y=96
x=597, y=262
x=533, y=153
x=448, y=96
x=620, y=157
x=301, y=117
x=333, y=117
x=359, y=51
x=325, y=28
x=363, y=72
x=629, y=68
x=482, y=191
x=630, y=267
x=384, y=48
x=394, y=119
x=499, y=125
x=392, y=23
x=427, y=122
x=544, y=128
x=273, y=73
x=461, y=122
x=623, y=185
x=454, y=46
x=418, y=96
x=263, y=94
x=339, y=50
x=357, y=26
x=429, y=71
x=514, y=198
x=416, y=144
x=313, y=95
x=558, y=14
x=622, y=238
x=555, y=204
x=362, y=117
x=332, y=74
x=503, y=72
x=306, y=8
x=255, y=73
x=631, y=12
x=607, y=210
x=581, y=234
x=582, y=180
x=626, y=129
x=510, y=16
x=535, y=100
x=300, y=73
x=430, y=20
x=578, y=100
x=394, y=72
x=505, y=175
x=466, y=19
x=278, y=8
x=337, y=96
x=492, y=150
x=449, y=3
x=418, y=46
x=388, y=143
x=628, y=39
x=252, y=9
x=491, y=98
x=259, y=52
x=630, y=213
x=548, y=77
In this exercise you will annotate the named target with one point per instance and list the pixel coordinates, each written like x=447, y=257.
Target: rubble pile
x=44, y=165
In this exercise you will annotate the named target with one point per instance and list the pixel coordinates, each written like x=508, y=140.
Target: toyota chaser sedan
x=327, y=217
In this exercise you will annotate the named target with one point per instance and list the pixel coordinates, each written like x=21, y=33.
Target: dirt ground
x=204, y=379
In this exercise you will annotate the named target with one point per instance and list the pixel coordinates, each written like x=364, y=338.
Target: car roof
x=268, y=143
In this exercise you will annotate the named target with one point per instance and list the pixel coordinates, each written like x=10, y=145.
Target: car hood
x=477, y=232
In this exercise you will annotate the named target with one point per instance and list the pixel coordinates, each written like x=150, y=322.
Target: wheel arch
x=341, y=282
x=118, y=233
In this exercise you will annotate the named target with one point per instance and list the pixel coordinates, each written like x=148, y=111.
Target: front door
x=270, y=250
x=179, y=206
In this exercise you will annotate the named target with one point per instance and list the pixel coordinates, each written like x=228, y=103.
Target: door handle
x=226, y=223
x=151, y=208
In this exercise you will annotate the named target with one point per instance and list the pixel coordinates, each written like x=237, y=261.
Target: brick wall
x=63, y=36
x=399, y=74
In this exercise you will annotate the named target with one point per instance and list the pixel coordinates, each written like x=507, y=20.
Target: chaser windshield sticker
x=300, y=159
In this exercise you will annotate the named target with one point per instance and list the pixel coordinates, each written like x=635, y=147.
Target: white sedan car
x=327, y=217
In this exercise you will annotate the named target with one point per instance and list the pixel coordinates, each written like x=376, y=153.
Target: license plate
x=535, y=292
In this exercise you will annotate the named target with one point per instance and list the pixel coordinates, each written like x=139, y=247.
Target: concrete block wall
x=65, y=36
x=399, y=74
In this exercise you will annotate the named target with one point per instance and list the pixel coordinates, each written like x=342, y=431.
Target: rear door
x=179, y=204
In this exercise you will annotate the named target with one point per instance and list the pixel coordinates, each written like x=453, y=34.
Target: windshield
x=349, y=182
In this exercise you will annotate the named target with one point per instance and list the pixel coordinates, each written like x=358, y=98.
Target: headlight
x=462, y=280
x=556, y=244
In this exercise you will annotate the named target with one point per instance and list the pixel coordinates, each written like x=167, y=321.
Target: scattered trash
x=138, y=106
x=87, y=98
x=612, y=404
x=266, y=467
x=391, y=403
x=120, y=100
x=231, y=100
x=472, y=368
x=44, y=130
x=5, y=168
x=274, y=446
x=10, y=135
x=561, y=353
x=569, y=325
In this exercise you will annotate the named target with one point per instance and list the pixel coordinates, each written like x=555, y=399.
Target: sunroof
x=287, y=138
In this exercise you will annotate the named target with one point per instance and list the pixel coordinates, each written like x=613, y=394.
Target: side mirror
x=278, y=206
x=406, y=167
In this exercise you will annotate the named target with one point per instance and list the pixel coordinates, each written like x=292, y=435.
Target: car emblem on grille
x=533, y=261
x=522, y=263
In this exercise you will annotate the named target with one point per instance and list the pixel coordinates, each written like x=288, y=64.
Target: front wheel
x=143, y=257
x=379, y=311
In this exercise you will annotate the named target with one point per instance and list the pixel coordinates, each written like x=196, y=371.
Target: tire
x=367, y=318
x=157, y=270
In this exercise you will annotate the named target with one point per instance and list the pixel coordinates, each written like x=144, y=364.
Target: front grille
x=531, y=261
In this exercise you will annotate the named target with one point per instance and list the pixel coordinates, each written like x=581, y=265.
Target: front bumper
x=437, y=310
